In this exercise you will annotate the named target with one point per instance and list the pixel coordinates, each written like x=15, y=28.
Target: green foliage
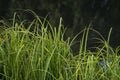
x=39, y=52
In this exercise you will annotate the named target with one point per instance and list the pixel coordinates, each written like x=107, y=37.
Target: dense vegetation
x=38, y=51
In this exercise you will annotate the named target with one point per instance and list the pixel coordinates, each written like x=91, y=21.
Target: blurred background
x=76, y=14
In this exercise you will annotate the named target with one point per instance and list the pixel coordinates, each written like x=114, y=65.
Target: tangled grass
x=43, y=54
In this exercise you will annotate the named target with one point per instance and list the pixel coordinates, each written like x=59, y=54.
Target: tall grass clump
x=38, y=51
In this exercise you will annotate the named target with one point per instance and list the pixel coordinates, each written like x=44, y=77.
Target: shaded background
x=76, y=14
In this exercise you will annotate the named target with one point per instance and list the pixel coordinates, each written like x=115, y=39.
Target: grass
x=38, y=51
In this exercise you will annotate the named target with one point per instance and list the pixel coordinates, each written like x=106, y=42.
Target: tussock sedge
x=43, y=54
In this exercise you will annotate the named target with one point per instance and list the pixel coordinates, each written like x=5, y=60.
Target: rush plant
x=38, y=51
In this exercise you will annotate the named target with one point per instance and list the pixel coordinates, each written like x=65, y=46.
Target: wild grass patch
x=43, y=54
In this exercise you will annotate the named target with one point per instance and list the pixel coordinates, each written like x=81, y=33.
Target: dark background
x=76, y=14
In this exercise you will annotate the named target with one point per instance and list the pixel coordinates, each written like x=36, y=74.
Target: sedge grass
x=43, y=54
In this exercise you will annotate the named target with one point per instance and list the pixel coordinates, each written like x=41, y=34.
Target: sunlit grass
x=38, y=51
